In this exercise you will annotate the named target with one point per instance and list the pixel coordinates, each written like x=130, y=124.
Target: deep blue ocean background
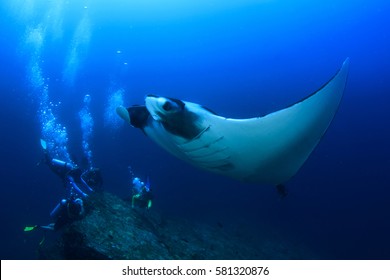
x=240, y=59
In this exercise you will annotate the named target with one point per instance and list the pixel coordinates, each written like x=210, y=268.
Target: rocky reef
x=111, y=229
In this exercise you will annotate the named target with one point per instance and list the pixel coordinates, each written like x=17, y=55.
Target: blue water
x=239, y=58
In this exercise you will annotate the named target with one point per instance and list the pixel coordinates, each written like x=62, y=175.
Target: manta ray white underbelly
x=265, y=150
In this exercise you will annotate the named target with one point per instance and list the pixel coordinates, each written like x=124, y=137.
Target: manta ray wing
x=271, y=149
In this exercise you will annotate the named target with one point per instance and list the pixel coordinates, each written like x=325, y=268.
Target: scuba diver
x=141, y=194
x=66, y=211
x=78, y=183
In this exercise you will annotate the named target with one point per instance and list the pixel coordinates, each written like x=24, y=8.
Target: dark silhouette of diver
x=82, y=181
x=78, y=183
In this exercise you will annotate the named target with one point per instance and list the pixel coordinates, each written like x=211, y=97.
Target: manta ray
x=263, y=150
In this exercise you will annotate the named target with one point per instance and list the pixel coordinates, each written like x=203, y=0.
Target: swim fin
x=43, y=144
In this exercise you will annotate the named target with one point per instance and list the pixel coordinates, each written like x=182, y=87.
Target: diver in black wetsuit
x=82, y=181
x=78, y=184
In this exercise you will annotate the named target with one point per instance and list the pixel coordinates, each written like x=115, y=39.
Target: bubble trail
x=111, y=119
x=87, y=128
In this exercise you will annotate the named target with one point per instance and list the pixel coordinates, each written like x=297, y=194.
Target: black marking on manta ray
x=206, y=145
x=199, y=135
x=183, y=124
x=207, y=155
x=223, y=166
x=203, y=161
x=209, y=110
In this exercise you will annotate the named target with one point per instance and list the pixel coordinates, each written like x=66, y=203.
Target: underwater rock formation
x=111, y=229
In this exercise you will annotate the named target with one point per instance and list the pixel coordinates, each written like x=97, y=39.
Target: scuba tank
x=62, y=164
x=60, y=206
